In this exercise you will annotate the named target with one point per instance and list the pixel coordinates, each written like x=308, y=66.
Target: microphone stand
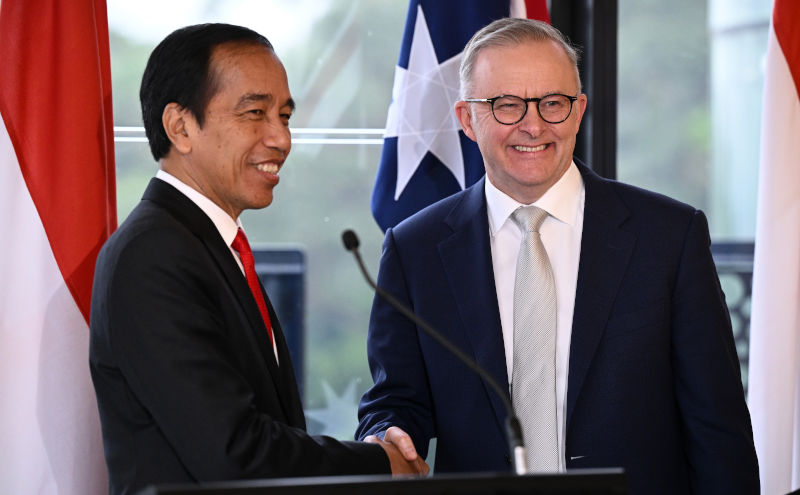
x=513, y=429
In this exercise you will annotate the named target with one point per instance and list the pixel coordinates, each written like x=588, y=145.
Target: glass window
x=690, y=82
x=690, y=87
x=340, y=57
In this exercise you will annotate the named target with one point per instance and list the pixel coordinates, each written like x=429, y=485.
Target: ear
x=582, y=102
x=175, y=120
x=464, y=116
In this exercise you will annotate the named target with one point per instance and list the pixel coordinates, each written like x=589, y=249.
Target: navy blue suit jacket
x=653, y=384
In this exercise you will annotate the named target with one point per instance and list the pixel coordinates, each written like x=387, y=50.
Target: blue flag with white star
x=426, y=156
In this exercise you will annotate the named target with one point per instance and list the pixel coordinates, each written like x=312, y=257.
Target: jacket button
x=508, y=459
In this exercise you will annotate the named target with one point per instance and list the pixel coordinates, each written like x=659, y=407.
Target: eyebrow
x=248, y=98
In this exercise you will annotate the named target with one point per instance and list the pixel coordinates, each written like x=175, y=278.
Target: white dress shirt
x=561, y=236
x=226, y=226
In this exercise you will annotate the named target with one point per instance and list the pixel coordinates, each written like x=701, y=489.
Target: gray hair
x=506, y=32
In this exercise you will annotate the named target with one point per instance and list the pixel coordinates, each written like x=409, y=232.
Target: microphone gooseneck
x=513, y=430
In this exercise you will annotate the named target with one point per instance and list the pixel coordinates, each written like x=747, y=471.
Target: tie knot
x=529, y=218
x=240, y=243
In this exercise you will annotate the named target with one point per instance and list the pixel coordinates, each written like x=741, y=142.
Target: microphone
x=513, y=430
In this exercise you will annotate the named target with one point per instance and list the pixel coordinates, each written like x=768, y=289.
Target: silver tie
x=533, y=378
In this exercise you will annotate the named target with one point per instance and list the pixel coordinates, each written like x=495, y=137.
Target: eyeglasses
x=510, y=109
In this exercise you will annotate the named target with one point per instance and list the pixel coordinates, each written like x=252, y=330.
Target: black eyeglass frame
x=491, y=101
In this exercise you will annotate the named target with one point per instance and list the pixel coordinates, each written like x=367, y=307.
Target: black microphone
x=513, y=430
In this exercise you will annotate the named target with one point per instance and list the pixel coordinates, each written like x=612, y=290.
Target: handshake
x=403, y=456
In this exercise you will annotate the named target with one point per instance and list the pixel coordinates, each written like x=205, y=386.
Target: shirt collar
x=227, y=226
x=561, y=201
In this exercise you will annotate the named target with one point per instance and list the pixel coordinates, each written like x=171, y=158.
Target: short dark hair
x=178, y=71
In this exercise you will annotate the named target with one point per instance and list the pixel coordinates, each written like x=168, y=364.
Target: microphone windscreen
x=350, y=240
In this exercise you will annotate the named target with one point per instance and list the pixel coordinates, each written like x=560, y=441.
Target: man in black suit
x=193, y=377
x=634, y=364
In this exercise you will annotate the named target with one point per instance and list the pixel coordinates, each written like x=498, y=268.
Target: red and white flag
x=530, y=9
x=57, y=207
x=774, y=372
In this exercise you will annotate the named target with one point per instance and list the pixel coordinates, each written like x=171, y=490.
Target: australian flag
x=426, y=156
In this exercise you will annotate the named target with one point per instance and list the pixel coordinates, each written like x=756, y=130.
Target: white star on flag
x=421, y=114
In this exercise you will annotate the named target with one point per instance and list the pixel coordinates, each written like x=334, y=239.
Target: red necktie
x=242, y=247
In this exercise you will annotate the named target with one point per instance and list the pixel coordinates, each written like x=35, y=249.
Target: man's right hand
x=403, y=456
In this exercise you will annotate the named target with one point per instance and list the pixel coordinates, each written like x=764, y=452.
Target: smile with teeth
x=270, y=168
x=529, y=149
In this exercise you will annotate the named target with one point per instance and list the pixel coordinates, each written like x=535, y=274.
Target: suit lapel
x=198, y=222
x=238, y=283
x=474, y=288
x=287, y=390
x=605, y=252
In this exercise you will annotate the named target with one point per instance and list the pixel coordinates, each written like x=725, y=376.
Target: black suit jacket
x=653, y=381
x=187, y=383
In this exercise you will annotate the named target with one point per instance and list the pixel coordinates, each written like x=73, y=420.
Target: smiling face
x=525, y=159
x=235, y=157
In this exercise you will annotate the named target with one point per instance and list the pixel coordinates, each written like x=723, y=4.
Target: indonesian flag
x=774, y=376
x=426, y=156
x=57, y=207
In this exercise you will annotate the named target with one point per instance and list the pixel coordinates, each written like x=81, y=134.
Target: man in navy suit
x=193, y=376
x=646, y=375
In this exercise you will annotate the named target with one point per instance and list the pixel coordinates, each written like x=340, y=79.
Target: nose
x=277, y=136
x=532, y=123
